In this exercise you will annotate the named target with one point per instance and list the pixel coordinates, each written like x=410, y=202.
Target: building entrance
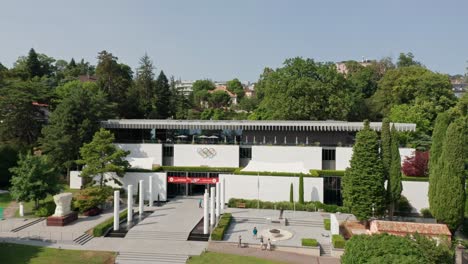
x=189, y=183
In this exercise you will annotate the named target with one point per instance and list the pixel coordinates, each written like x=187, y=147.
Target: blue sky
x=221, y=40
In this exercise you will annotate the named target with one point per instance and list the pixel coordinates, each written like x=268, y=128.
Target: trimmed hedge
x=309, y=242
x=268, y=173
x=181, y=168
x=338, y=241
x=408, y=178
x=307, y=206
x=323, y=173
x=224, y=222
x=326, y=224
x=100, y=229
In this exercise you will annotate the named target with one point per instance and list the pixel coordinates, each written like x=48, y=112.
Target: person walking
x=269, y=245
x=200, y=201
x=239, y=244
x=261, y=243
x=255, y=231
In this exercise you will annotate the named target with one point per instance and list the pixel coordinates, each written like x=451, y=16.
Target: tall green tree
x=101, y=156
x=219, y=99
x=291, y=193
x=303, y=90
x=8, y=159
x=33, y=64
x=74, y=122
x=163, y=97
x=33, y=179
x=406, y=60
x=394, y=186
x=301, y=189
x=236, y=87
x=450, y=190
x=145, y=86
x=385, y=148
x=441, y=124
x=363, y=183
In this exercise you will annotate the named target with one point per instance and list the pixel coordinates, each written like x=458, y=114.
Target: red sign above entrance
x=172, y=179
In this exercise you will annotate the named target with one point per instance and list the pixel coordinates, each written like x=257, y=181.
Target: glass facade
x=332, y=190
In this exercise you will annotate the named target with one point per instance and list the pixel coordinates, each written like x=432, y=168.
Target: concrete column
x=205, y=212
x=221, y=195
x=116, y=210
x=21, y=209
x=141, y=198
x=212, y=206
x=151, y=199
x=218, y=204
x=129, y=203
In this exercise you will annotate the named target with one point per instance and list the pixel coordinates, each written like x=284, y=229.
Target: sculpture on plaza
x=62, y=203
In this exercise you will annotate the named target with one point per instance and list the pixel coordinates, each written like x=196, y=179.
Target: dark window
x=168, y=151
x=332, y=190
x=245, y=153
x=328, y=154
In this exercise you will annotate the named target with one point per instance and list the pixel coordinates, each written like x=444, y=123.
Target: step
x=157, y=235
x=83, y=239
x=136, y=257
x=27, y=224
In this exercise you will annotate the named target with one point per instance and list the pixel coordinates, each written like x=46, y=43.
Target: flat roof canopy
x=264, y=125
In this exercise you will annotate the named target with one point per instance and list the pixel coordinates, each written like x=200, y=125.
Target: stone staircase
x=147, y=258
x=28, y=224
x=157, y=235
x=325, y=250
x=83, y=239
x=290, y=222
x=306, y=223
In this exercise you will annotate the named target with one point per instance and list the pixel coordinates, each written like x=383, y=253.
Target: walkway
x=230, y=248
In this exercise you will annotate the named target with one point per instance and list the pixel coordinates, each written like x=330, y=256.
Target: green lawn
x=215, y=258
x=5, y=199
x=18, y=254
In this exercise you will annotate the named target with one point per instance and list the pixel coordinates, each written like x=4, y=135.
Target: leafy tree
x=163, y=95
x=21, y=117
x=115, y=79
x=301, y=189
x=291, y=193
x=385, y=248
x=101, y=156
x=8, y=158
x=74, y=122
x=33, y=64
x=219, y=99
x=363, y=183
x=200, y=92
x=386, y=146
x=236, y=87
x=394, y=186
x=33, y=179
x=145, y=86
x=406, y=85
x=180, y=104
x=441, y=124
x=450, y=190
x=303, y=90
x=417, y=164
x=91, y=197
x=406, y=60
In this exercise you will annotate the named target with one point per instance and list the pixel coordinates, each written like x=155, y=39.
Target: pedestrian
x=261, y=242
x=240, y=242
x=269, y=245
x=200, y=203
x=255, y=231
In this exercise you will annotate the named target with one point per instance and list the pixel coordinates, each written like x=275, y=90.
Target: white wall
x=272, y=188
x=343, y=157
x=144, y=151
x=159, y=182
x=217, y=155
x=310, y=156
x=406, y=152
x=417, y=194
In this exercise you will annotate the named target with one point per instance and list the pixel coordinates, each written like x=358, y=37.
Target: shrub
x=426, y=213
x=91, y=197
x=338, y=241
x=100, y=229
x=92, y=212
x=45, y=209
x=323, y=173
x=326, y=223
x=307, y=206
x=223, y=225
x=404, y=207
x=309, y=242
x=417, y=164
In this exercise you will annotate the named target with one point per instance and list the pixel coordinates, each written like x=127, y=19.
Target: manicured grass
x=5, y=200
x=14, y=253
x=215, y=258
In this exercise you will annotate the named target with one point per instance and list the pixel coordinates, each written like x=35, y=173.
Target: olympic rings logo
x=206, y=153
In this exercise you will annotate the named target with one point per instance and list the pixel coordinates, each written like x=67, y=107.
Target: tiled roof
x=410, y=228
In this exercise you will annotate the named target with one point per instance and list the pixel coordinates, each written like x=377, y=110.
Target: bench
x=240, y=205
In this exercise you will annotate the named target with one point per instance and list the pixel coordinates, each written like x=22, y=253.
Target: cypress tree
x=301, y=189
x=385, y=148
x=163, y=97
x=394, y=186
x=440, y=127
x=291, y=193
x=363, y=183
x=450, y=191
